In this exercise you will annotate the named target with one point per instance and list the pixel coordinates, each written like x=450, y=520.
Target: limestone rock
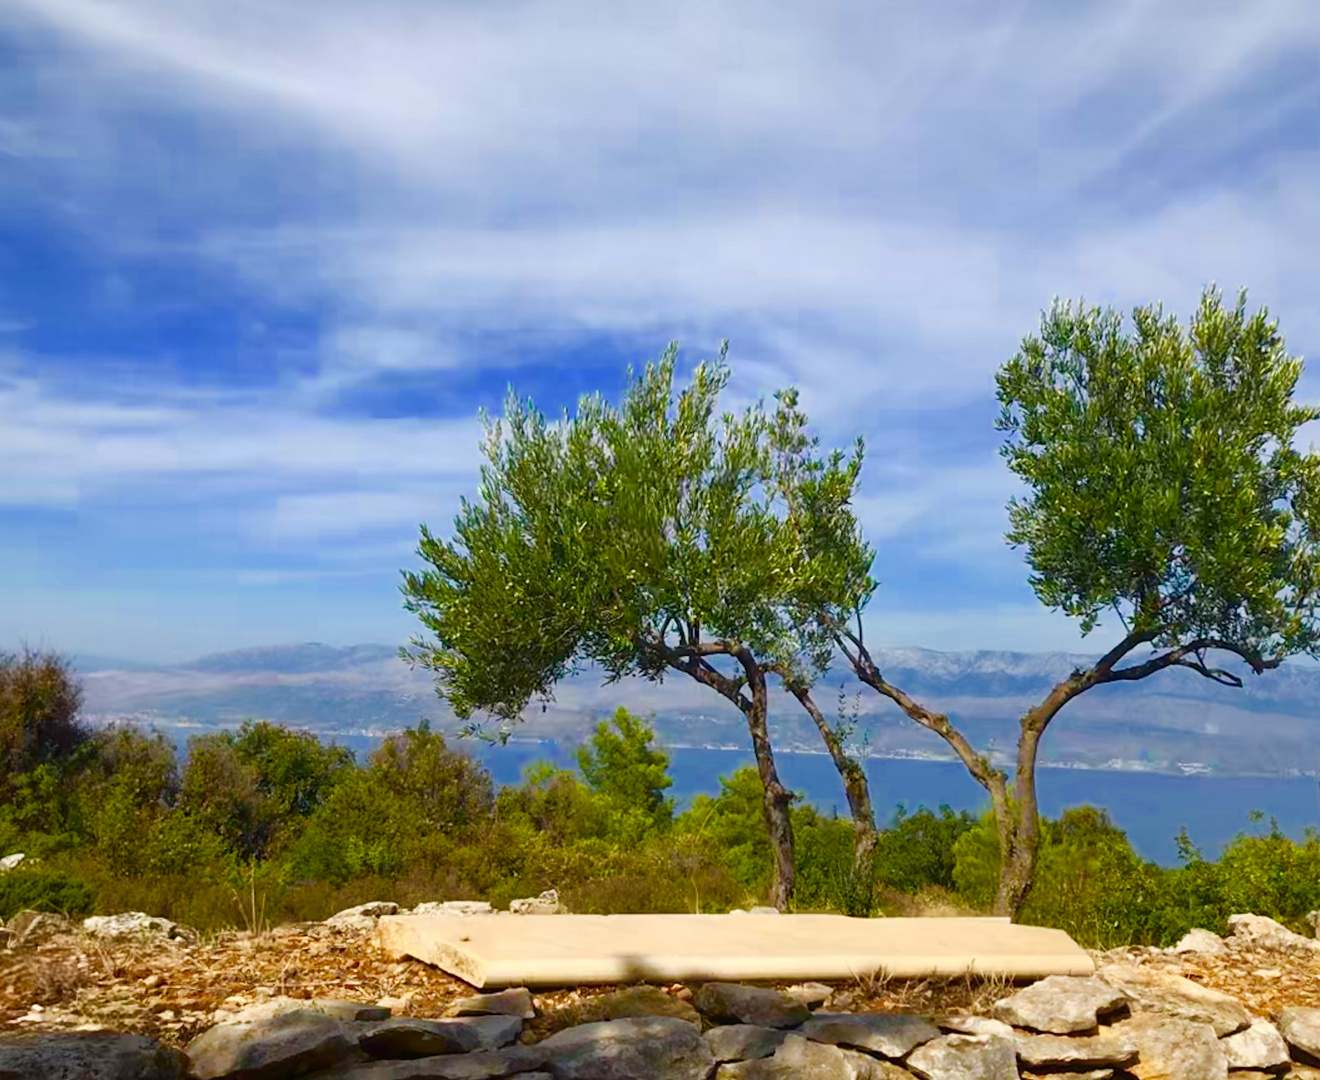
x=11, y=862
x=372, y=910
x=1301, y=1028
x=1264, y=933
x=1200, y=941
x=1167, y=994
x=494, y=1032
x=1258, y=1047
x=411, y=1037
x=891, y=1035
x=813, y=994
x=1313, y=918
x=34, y=927
x=656, y=1047
x=483, y=1065
x=735, y=1003
x=743, y=1042
x=361, y=917
x=515, y=1001
x=89, y=1055
x=452, y=907
x=800, y=1059
x=762, y=909
x=1103, y=1073
x=1172, y=1049
x=1061, y=1004
x=132, y=924
x=639, y=1001
x=334, y=1008
x=283, y=1045
x=977, y=1025
x=965, y=1057
x=545, y=904
x=1071, y=1052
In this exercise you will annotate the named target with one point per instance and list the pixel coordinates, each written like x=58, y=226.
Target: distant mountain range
x=1173, y=721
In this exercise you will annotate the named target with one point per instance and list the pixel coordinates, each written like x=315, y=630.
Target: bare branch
x=1175, y=657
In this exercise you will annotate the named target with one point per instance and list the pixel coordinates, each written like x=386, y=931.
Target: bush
x=42, y=890
x=917, y=850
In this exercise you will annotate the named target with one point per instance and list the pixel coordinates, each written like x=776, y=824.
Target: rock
x=545, y=904
x=271, y=1048
x=362, y=917
x=1085, y=1074
x=6, y=936
x=88, y=1055
x=639, y=1001
x=494, y=1032
x=1061, y=1004
x=31, y=927
x=761, y=909
x=373, y=910
x=813, y=994
x=1313, y=918
x=1300, y=1026
x=800, y=1059
x=743, y=1042
x=515, y=1001
x=411, y=1037
x=11, y=862
x=655, y=1047
x=334, y=1008
x=1172, y=1049
x=1200, y=941
x=977, y=1025
x=517, y=1061
x=452, y=907
x=1260, y=932
x=131, y=924
x=1070, y=1052
x=890, y=1035
x=1258, y=1047
x=735, y=1003
x=965, y=1057
x=1163, y=992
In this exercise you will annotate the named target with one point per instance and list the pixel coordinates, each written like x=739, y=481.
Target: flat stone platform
x=580, y=950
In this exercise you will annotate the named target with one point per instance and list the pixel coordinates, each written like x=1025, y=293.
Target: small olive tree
x=1164, y=486
x=650, y=538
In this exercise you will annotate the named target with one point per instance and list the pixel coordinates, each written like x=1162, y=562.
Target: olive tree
x=1164, y=486
x=651, y=538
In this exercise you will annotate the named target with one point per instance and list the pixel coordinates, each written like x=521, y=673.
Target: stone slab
x=573, y=950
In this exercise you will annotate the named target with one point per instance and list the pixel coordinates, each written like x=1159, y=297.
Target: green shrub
x=917, y=850
x=43, y=890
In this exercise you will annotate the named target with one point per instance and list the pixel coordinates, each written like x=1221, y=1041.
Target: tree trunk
x=776, y=797
x=855, y=785
x=1017, y=865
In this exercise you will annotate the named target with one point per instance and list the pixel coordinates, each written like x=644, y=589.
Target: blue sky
x=261, y=263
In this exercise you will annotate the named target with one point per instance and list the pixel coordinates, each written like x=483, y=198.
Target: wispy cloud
x=270, y=258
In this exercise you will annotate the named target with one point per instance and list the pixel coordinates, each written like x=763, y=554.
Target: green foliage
x=444, y=789
x=622, y=765
x=917, y=850
x=734, y=822
x=41, y=890
x=1212, y=533
x=625, y=536
x=39, y=702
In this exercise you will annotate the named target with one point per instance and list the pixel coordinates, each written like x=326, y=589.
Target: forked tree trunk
x=855, y=786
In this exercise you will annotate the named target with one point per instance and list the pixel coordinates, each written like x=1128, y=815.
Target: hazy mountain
x=1271, y=725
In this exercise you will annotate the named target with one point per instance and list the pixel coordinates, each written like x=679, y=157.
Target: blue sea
x=1150, y=807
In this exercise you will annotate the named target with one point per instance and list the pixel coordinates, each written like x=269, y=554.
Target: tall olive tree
x=1163, y=485
x=650, y=538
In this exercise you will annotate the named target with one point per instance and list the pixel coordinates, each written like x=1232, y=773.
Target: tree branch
x=1176, y=657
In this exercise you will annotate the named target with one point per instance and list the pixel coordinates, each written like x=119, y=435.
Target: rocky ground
x=315, y=997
